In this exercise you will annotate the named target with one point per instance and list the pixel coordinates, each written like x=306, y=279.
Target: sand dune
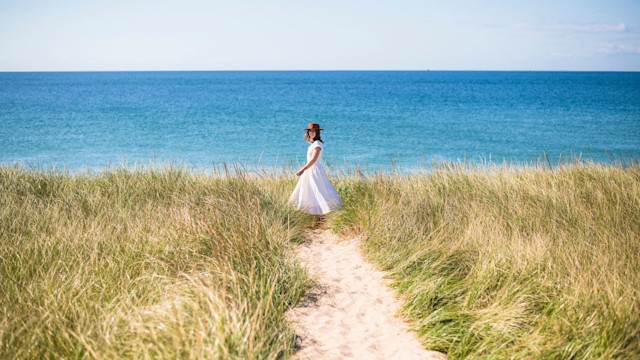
x=351, y=314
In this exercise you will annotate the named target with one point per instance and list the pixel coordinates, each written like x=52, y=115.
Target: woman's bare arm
x=314, y=158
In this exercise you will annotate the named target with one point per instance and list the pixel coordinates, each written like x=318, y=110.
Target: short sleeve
x=318, y=143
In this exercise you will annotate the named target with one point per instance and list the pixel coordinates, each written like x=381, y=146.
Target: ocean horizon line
x=314, y=70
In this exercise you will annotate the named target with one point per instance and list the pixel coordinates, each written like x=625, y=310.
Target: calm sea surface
x=375, y=119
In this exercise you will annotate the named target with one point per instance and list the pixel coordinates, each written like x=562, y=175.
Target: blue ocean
x=405, y=120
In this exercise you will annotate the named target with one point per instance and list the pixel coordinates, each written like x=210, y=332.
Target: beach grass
x=509, y=262
x=490, y=261
x=146, y=263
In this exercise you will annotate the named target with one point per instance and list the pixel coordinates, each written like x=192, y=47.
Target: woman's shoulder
x=318, y=143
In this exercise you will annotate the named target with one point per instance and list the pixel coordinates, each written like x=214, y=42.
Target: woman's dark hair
x=308, y=138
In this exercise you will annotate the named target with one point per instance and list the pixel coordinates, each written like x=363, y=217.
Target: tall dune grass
x=509, y=262
x=146, y=263
x=491, y=262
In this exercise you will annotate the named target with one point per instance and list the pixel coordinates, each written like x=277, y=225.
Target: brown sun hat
x=313, y=126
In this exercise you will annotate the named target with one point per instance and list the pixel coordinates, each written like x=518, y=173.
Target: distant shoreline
x=287, y=168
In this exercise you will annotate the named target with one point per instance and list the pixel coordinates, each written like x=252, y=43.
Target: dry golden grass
x=509, y=262
x=146, y=264
x=491, y=261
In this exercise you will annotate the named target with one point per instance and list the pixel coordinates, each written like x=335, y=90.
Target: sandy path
x=351, y=315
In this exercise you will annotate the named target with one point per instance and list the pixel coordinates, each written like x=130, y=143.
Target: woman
x=314, y=194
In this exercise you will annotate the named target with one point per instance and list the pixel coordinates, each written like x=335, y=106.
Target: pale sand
x=352, y=314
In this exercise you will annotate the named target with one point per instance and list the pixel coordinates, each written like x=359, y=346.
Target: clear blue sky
x=41, y=35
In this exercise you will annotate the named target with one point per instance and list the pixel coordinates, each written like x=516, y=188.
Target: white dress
x=314, y=194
